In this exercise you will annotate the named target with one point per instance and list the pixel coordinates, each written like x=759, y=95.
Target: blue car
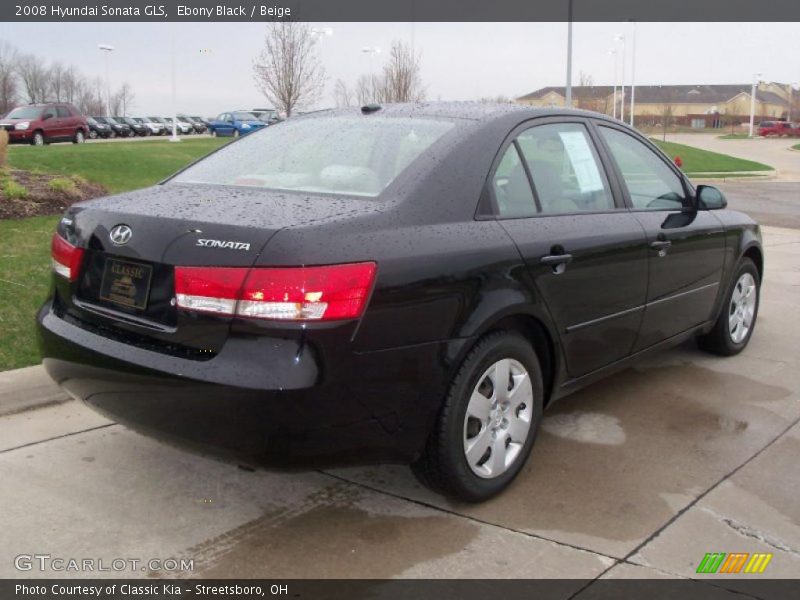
x=234, y=124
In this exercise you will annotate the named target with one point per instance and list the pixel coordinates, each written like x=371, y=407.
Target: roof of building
x=659, y=94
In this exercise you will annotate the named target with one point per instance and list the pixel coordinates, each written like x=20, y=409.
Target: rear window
x=340, y=155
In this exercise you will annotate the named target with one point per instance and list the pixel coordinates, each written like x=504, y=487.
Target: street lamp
x=371, y=51
x=633, y=71
x=568, y=94
x=107, y=50
x=613, y=52
x=753, y=101
x=621, y=38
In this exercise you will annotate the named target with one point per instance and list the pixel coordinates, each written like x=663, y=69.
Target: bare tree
x=342, y=95
x=667, y=113
x=124, y=97
x=55, y=75
x=8, y=77
x=371, y=89
x=72, y=81
x=89, y=97
x=288, y=71
x=402, y=79
x=35, y=77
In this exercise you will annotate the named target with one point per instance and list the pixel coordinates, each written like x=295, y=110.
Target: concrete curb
x=24, y=389
x=751, y=176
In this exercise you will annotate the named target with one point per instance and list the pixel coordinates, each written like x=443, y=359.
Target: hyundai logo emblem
x=120, y=235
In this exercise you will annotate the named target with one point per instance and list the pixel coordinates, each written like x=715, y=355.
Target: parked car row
x=779, y=128
x=109, y=127
x=40, y=124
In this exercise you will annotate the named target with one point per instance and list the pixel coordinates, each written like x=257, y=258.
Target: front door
x=585, y=252
x=686, y=246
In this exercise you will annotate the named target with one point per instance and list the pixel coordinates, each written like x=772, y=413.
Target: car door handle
x=660, y=244
x=556, y=259
x=557, y=262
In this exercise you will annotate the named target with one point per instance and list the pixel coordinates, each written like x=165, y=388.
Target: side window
x=62, y=111
x=566, y=172
x=651, y=183
x=511, y=187
x=49, y=113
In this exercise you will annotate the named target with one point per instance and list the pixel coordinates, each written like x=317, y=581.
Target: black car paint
x=448, y=272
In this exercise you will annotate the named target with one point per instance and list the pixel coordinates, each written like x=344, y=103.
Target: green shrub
x=63, y=185
x=13, y=190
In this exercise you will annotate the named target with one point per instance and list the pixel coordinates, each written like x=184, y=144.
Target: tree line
x=289, y=73
x=29, y=79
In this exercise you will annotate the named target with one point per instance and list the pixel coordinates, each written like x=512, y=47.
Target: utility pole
x=753, y=102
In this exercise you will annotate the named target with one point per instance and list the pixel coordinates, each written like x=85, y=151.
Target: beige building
x=686, y=104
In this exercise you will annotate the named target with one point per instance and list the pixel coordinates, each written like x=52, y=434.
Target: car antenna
x=370, y=108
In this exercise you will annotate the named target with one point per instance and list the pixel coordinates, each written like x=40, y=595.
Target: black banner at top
x=402, y=10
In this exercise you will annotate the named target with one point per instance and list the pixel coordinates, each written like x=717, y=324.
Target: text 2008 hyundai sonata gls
x=412, y=283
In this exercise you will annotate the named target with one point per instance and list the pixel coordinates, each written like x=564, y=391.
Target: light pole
x=621, y=38
x=633, y=72
x=174, y=137
x=371, y=51
x=568, y=94
x=613, y=52
x=791, y=99
x=753, y=102
x=107, y=50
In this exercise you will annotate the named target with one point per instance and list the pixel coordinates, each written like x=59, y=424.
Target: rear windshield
x=340, y=155
x=25, y=112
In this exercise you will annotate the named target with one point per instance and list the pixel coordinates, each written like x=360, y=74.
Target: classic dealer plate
x=126, y=283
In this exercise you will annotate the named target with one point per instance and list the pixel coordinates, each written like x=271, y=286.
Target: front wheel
x=93, y=134
x=38, y=139
x=488, y=422
x=737, y=319
x=235, y=133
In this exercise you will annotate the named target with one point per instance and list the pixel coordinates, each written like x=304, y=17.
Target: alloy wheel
x=742, y=308
x=498, y=418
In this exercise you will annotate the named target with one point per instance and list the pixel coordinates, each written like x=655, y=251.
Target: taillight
x=326, y=293
x=66, y=258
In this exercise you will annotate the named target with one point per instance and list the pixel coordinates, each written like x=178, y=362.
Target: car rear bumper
x=261, y=401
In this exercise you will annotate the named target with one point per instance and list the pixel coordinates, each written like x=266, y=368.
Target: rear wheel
x=488, y=423
x=214, y=133
x=737, y=319
x=79, y=137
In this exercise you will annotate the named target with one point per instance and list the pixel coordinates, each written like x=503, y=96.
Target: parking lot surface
x=640, y=475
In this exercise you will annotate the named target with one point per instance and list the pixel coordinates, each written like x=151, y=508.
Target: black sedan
x=410, y=283
x=98, y=129
x=137, y=127
x=117, y=129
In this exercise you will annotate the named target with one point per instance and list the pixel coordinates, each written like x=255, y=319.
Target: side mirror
x=710, y=198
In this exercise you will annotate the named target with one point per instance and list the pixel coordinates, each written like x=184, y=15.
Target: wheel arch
x=754, y=253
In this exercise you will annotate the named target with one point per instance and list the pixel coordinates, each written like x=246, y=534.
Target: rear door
x=685, y=246
x=585, y=252
x=66, y=122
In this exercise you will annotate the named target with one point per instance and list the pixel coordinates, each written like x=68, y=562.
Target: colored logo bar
x=733, y=563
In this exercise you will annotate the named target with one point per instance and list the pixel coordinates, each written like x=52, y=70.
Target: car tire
x=737, y=317
x=92, y=134
x=235, y=133
x=450, y=462
x=112, y=134
x=214, y=133
x=38, y=139
x=79, y=137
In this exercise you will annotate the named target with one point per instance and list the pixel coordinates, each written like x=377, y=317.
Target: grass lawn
x=25, y=243
x=796, y=147
x=118, y=166
x=24, y=283
x=703, y=161
x=735, y=136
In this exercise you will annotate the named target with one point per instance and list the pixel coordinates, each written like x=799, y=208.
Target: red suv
x=779, y=128
x=40, y=124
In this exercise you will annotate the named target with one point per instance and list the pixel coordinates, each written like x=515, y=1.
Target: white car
x=154, y=127
x=183, y=128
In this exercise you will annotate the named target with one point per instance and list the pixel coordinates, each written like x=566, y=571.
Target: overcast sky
x=460, y=61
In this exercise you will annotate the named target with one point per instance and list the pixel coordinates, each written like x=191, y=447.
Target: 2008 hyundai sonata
x=408, y=283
